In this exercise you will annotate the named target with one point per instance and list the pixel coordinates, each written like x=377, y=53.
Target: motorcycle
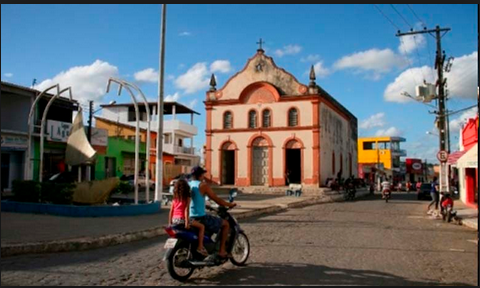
x=448, y=213
x=387, y=194
x=181, y=254
x=349, y=193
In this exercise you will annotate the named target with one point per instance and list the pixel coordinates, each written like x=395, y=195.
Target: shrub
x=57, y=193
x=123, y=188
x=26, y=191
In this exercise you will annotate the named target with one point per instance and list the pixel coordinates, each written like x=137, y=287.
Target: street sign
x=442, y=156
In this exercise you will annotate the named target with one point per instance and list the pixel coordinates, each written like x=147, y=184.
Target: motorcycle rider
x=386, y=187
x=215, y=224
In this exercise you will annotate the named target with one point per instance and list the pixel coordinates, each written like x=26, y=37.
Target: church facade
x=265, y=128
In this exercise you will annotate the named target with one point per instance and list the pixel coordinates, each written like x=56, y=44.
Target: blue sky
x=358, y=59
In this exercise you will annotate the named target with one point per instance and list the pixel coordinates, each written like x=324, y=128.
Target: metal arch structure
x=42, y=128
x=129, y=87
x=28, y=174
x=147, y=152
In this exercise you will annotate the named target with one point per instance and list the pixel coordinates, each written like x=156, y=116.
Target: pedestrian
x=434, y=195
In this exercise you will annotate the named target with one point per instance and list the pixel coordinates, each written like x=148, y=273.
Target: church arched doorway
x=260, y=161
x=293, y=161
x=228, y=163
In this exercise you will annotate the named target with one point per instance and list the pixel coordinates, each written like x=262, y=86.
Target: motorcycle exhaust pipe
x=202, y=263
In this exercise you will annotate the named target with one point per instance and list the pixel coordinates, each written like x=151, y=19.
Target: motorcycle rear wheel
x=179, y=254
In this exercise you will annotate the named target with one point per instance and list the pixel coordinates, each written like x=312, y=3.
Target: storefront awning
x=469, y=159
x=453, y=157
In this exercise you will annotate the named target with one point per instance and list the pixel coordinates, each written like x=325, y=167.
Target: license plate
x=170, y=243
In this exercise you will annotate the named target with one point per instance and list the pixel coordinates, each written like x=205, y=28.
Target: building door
x=260, y=166
x=110, y=167
x=5, y=171
x=294, y=165
x=228, y=167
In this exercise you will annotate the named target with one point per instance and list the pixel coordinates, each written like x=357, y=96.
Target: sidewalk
x=34, y=233
x=468, y=215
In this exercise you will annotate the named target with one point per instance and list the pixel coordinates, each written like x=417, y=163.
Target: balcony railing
x=174, y=149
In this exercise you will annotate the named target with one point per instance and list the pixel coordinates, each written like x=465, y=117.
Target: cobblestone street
x=366, y=242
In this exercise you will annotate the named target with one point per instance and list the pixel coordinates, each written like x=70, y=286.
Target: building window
x=266, y=118
x=252, y=119
x=167, y=138
x=368, y=145
x=292, y=117
x=227, y=120
x=384, y=145
x=180, y=142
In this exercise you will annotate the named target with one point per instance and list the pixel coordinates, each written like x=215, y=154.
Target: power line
x=386, y=17
x=401, y=16
x=415, y=14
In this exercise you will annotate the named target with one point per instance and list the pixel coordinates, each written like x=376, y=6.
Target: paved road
x=366, y=242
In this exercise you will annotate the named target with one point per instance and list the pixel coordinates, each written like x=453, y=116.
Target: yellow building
x=381, y=153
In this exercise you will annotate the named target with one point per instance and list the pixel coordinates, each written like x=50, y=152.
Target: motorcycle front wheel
x=240, y=250
x=178, y=258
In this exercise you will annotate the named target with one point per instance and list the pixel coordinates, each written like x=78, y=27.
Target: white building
x=177, y=133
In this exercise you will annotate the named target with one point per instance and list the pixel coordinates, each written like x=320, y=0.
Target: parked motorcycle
x=181, y=254
x=349, y=193
x=448, y=213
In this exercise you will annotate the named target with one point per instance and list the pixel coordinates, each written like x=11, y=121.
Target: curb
x=470, y=224
x=82, y=244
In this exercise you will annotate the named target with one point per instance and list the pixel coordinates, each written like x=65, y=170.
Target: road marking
x=473, y=241
x=415, y=217
x=457, y=250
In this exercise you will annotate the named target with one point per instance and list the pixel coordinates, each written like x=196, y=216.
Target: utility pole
x=441, y=82
x=90, y=116
x=159, y=151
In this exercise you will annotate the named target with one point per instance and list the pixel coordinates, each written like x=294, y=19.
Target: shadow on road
x=305, y=274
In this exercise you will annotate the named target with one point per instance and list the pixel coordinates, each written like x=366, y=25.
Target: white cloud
x=8, y=75
x=192, y=103
x=170, y=77
x=87, y=82
x=185, y=33
x=457, y=124
x=320, y=70
x=172, y=98
x=376, y=120
x=222, y=66
x=411, y=42
x=311, y=58
x=462, y=80
x=195, y=79
x=146, y=75
x=373, y=61
x=392, y=131
x=288, y=50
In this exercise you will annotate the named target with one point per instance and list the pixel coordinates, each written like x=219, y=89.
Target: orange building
x=264, y=127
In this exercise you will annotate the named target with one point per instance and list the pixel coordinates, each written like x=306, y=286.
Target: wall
x=115, y=130
x=375, y=156
x=14, y=110
x=336, y=135
x=279, y=111
x=278, y=139
x=116, y=148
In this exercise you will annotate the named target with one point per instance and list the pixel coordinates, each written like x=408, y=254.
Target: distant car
x=424, y=191
x=142, y=183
